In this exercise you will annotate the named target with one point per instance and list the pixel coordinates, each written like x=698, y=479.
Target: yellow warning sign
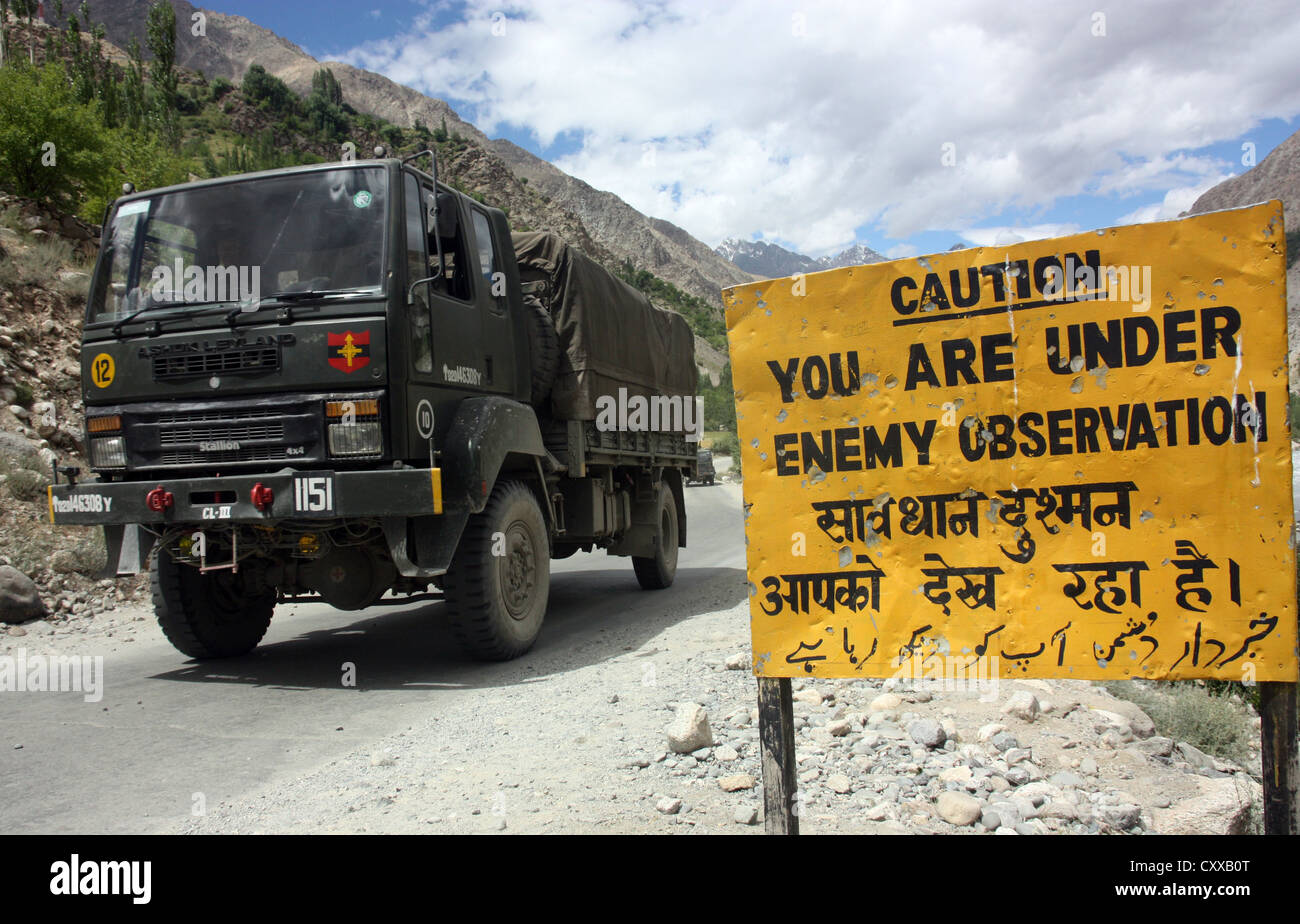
x=1063, y=458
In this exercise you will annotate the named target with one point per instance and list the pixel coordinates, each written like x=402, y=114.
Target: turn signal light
x=261, y=496
x=159, y=500
x=104, y=424
x=365, y=408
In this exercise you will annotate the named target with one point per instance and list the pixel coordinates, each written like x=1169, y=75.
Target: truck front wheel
x=210, y=615
x=497, y=587
x=655, y=572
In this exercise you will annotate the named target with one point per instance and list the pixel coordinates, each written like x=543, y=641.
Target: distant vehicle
x=404, y=400
x=705, y=472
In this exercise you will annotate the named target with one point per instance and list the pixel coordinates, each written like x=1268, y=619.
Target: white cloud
x=810, y=128
x=1003, y=235
x=1175, y=202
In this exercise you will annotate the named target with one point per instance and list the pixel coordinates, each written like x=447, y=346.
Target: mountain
x=599, y=222
x=1277, y=176
x=772, y=261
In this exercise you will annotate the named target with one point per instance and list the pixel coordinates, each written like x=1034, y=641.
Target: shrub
x=1216, y=723
x=23, y=478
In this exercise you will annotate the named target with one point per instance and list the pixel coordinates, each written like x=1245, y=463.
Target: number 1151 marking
x=313, y=494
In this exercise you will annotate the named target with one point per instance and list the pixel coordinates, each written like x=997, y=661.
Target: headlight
x=354, y=428
x=108, y=452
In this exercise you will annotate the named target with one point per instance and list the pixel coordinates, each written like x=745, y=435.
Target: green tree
x=143, y=159
x=27, y=8
x=325, y=107
x=324, y=84
x=4, y=31
x=720, y=403
x=134, y=105
x=51, y=146
x=160, y=35
x=259, y=86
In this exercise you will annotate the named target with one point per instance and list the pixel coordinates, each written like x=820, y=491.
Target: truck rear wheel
x=496, y=602
x=655, y=572
x=208, y=615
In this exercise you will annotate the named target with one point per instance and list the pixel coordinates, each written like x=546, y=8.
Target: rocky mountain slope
x=1277, y=176
x=599, y=221
x=772, y=261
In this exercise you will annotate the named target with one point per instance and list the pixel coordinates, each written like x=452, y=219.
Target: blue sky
x=904, y=126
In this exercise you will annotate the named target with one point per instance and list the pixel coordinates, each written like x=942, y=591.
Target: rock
x=1005, y=741
x=1115, y=721
x=689, y=729
x=1156, y=746
x=20, y=598
x=738, y=662
x=1220, y=806
x=957, y=808
x=990, y=819
x=1065, y=779
x=839, y=783
x=1062, y=810
x=839, y=728
x=987, y=732
x=668, y=806
x=885, y=702
x=736, y=782
x=1007, y=812
x=958, y=774
x=1018, y=776
x=927, y=732
x=725, y=753
x=1121, y=817
x=1016, y=755
x=44, y=419
x=1194, y=756
x=745, y=814
x=1022, y=705
x=881, y=811
x=810, y=696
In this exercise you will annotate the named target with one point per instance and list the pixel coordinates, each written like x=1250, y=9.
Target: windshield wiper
x=311, y=293
x=156, y=306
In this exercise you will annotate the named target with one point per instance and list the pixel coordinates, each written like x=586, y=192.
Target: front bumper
x=317, y=495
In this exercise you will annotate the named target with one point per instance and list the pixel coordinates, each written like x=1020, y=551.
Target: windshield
x=320, y=231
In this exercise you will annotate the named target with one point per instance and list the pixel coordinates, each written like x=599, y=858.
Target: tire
x=207, y=615
x=496, y=604
x=657, y=571
x=544, y=345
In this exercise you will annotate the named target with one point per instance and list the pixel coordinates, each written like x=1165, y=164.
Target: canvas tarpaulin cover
x=610, y=335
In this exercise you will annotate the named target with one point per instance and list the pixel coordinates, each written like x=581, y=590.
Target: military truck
x=347, y=382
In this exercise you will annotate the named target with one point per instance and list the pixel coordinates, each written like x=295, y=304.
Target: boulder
x=689, y=729
x=20, y=598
